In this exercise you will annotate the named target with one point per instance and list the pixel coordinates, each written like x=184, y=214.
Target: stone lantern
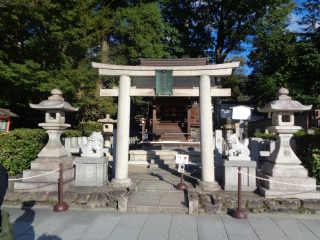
x=107, y=132
x=283, y=165
x=228, y=127
x=55, y=108
x=53, y=153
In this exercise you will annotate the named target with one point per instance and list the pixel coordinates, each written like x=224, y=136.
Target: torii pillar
x=205, y=93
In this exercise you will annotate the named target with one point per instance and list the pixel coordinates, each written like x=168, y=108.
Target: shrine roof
x=7, y=113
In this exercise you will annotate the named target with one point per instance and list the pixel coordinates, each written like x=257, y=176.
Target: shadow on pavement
x=26, y=220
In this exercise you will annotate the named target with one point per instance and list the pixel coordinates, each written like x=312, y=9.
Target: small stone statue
x=236, y=148
x=94, y=146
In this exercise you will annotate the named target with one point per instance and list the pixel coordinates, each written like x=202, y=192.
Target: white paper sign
x=146, y=136
x=241, y=112
x=183, y=159
x=181, y=168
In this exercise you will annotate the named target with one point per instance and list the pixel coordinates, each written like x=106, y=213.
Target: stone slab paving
x=97, y=224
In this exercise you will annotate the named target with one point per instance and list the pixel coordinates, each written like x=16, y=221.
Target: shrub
x=71, y=133
x=88, y=127
x=20, y=147
x=308, y=151
x=269, y=136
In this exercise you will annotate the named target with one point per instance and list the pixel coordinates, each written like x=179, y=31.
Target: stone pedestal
x=54, y=148
x=230, y=174
x=48, y=182
x=91, y=171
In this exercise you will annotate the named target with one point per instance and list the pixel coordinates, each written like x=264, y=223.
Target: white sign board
x=181, y=168
x=241, y=113
x=146, y=136
x=183, y=159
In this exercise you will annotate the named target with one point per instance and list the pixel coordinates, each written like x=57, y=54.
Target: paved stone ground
x=97, y=224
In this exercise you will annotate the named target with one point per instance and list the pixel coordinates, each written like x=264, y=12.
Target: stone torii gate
x=204, y=92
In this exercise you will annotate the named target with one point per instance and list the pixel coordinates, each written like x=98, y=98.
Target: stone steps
x=165, y=175
x=162, y=161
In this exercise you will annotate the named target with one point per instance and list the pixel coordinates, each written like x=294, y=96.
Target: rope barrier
x=33, y=176
x=294, y=184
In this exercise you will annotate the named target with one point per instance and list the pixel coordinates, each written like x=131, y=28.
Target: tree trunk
x=105, y=50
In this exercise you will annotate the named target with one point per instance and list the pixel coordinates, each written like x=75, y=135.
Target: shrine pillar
x=121, y=165
x=206, y=137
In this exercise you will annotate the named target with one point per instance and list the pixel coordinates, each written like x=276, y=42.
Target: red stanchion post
x=239, y=214
x=182, y=186
x=61, y=206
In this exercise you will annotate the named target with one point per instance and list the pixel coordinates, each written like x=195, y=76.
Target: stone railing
x=74, y=144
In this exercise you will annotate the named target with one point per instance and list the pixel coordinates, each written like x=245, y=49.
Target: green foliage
x=138, y=32
x=237, y=81
x=186, y=35
x=308, y=151
x=281, y=58
x=269, y=136
x=88, y=127
x=20, y=147
x=71, y=133
x=235, y=22
x=50, y=44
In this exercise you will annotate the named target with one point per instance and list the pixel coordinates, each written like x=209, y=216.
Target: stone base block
x=284, y=170
x=41, y=186
x=302, y=183
x=237, y=158
x=91, y=171
x=121, y=183
x=49, y=164
x=208, y=186
x=267, y=193
x=92, y=155
x=50, y=177
x=230, y=175
x=47, y=182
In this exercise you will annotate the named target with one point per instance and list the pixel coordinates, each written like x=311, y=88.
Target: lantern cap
x=54, y=102
x=284, y=103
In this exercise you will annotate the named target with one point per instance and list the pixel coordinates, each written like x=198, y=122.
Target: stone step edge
x=157, y=209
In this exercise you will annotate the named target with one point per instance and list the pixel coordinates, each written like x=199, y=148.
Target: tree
x=186, y=36
x=234, y=22
x=137, y=33
x=238, y=81
x=281, y=59
x=50, y=44
x=42, y=43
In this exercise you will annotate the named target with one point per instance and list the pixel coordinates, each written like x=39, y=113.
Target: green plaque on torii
x=164, y=82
